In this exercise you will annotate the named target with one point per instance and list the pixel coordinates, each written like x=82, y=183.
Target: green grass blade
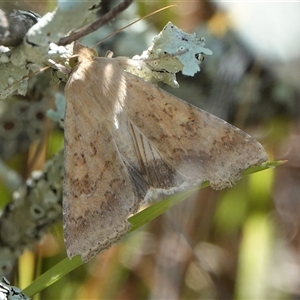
x=138, y=220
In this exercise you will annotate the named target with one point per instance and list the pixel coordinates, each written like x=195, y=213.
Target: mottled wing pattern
x=140, y=155
x=126, y=139
x=99, y=193
x=198, y=145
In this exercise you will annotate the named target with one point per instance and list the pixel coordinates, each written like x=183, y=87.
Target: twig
x=75, y=35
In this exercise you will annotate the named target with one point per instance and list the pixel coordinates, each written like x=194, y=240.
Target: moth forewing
x=125, y=139
x=198, y=145
x=96, y=179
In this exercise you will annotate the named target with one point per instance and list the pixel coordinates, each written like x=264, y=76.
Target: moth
x=127, y=141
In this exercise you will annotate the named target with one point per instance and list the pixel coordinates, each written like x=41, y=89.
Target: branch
x=38, y=45
x=10, y=292
x=77, y=34
x=33, y=209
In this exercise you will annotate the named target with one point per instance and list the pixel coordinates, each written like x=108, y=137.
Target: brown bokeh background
x=236, y=244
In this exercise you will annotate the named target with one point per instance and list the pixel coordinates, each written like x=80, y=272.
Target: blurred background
x=236, y=244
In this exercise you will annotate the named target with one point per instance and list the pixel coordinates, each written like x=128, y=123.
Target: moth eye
x=73, y=60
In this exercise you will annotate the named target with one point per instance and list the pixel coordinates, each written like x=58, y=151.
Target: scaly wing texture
x=196, y=144
x=125, y=139
x=99, y=191
x=140, y=155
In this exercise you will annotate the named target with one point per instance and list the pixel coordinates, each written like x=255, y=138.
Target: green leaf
x=66, y=266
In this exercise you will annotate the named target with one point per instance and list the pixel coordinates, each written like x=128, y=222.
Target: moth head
x=81, y=53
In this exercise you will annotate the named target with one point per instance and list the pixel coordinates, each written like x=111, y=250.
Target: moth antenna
x=56, y=65
x=132, y=23
x=72, y=37
x=75, y=35
x=68, y=39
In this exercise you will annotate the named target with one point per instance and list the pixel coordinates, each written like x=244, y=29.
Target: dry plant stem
x=75, y=35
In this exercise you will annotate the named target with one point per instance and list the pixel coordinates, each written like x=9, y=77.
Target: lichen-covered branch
x=39, y=45
x=10, y=292
x=34, y=207
x=14, y=26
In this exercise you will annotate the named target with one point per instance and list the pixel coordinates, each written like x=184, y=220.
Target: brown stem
x=75, y=35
